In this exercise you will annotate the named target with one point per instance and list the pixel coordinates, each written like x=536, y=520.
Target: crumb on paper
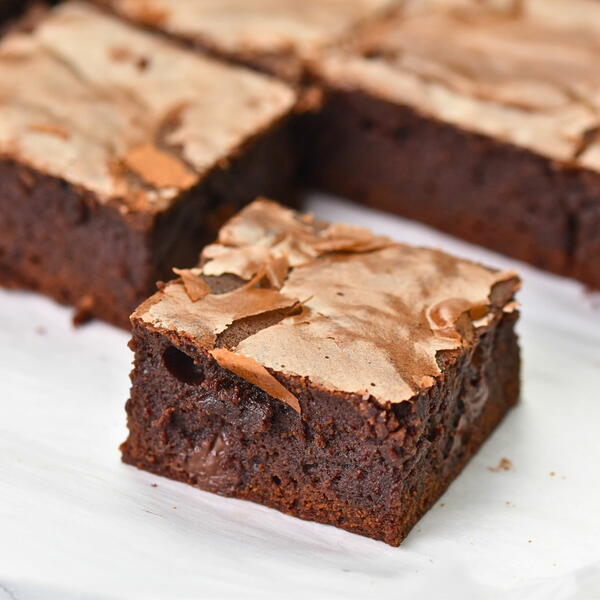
x=503, y=465
x=529, y=541
x=40, y=330
x=83, y=311
x=154, y=485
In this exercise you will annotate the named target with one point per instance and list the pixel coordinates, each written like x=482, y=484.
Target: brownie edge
x=347, y=461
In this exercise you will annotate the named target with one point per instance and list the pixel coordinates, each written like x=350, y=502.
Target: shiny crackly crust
x=276, y=36
x=515, y=71
x=357, y=313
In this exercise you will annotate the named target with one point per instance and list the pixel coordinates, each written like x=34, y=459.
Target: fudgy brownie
x=321, y=370
x=275, y=36
x=478, y=118
x=121, y=155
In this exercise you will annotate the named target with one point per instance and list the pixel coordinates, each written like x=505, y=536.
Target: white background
x=75, y=523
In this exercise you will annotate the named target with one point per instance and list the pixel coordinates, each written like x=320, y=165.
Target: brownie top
x=352, y=311
x=123, y=113
x=525, y=72
x=251, y=28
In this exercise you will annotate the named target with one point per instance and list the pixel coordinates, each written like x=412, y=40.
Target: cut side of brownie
x=121, y=155
x=491, y=135
x=275, y=36
x=321, y=370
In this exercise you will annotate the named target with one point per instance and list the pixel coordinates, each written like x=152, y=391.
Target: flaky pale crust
x=253, y=27
x=361, y=313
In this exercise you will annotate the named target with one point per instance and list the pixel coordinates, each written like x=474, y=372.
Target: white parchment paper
x=75, y=523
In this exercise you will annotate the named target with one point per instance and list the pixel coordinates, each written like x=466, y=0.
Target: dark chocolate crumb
x=142, y=63
x=83, y=311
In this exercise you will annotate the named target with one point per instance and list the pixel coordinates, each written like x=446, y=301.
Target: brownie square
x=491, y=135
x=121, y=155
x=321, y=370
x=275, y=36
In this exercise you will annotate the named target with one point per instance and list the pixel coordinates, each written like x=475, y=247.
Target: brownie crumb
x=503, y=465
x=83, y=311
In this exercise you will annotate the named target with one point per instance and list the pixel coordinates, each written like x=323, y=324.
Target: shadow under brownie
x=479, y=120
x=321, y=370
x=121, y=155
